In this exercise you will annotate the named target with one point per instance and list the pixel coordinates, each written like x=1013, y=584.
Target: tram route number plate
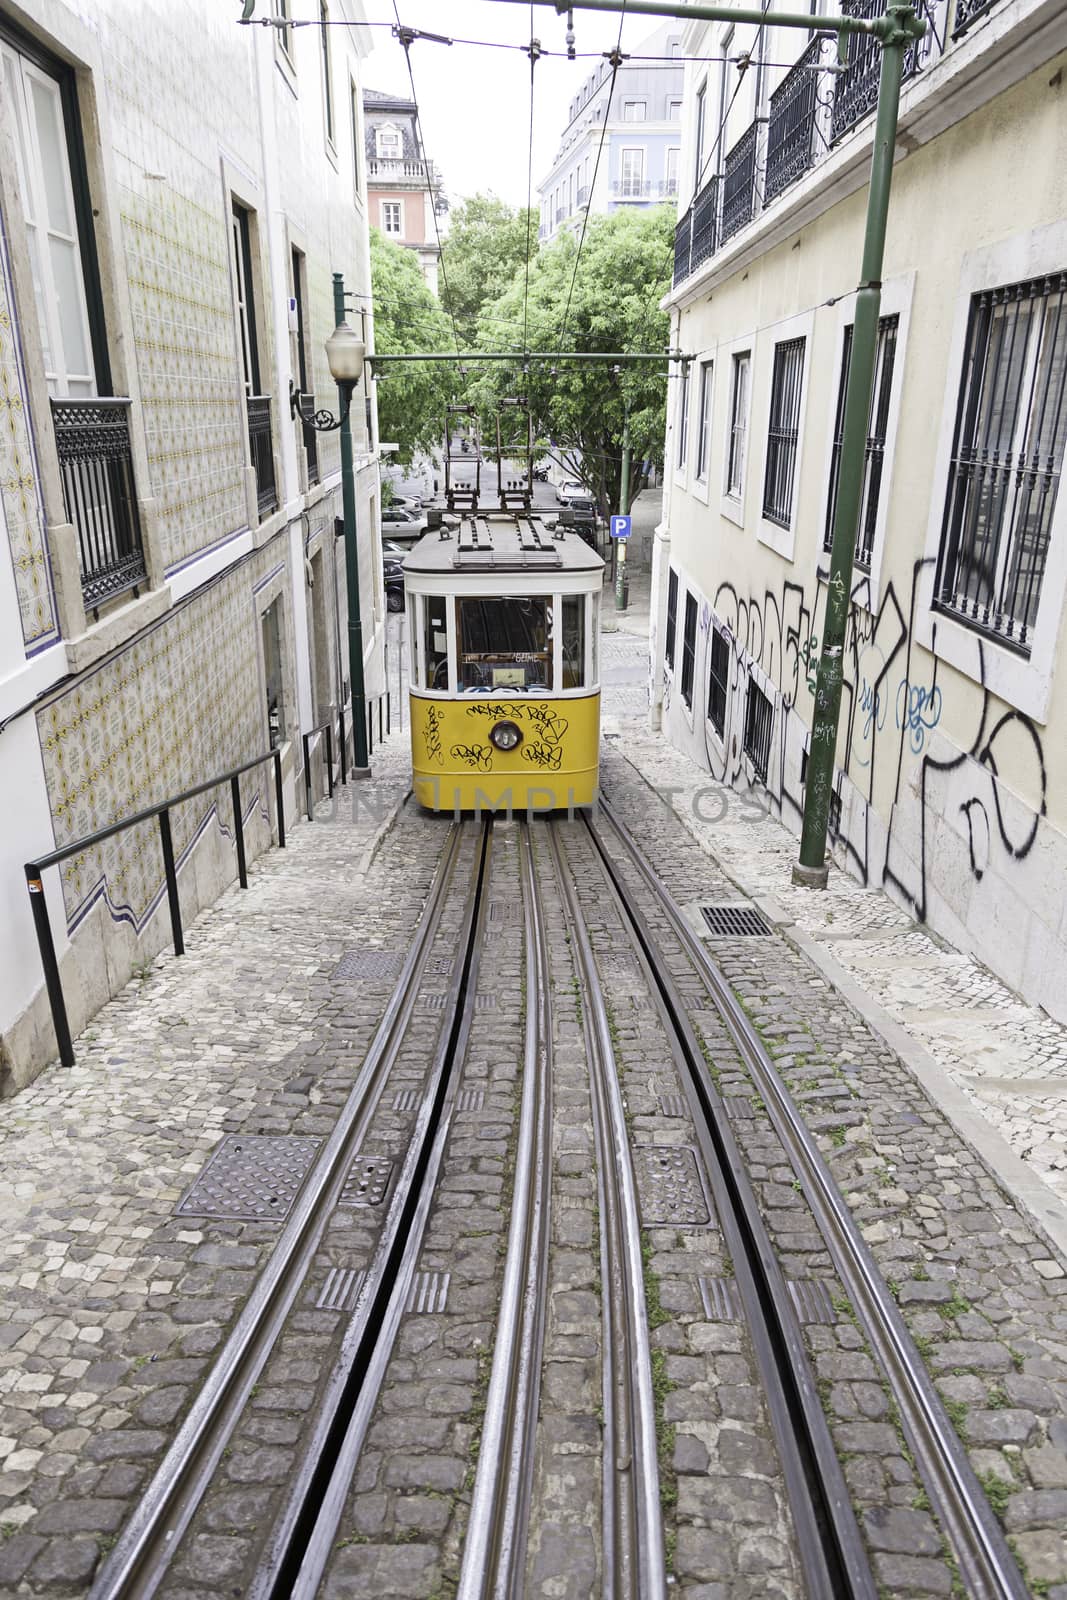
x=670, y=1187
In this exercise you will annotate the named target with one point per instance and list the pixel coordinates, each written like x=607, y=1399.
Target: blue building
x=641, y=137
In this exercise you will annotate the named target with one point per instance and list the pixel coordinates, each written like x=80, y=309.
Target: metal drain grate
x=721, y=1298
x=438, y=965
x=470, y=1100
x=367, y=1182
x=501, y=911
x=429, y=1292
x=341, y=1289
x=253, y=1176
x=668, y=1181
x=672, y=1105
x=736, y=922
x=367, y=964
x=406, y=1100
x=812, y=1300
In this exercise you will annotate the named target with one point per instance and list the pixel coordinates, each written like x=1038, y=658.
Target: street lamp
x=347, y=355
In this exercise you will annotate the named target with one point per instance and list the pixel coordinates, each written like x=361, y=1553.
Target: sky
x=475, y=103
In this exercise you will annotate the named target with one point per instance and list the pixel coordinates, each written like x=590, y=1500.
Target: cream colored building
x=176, y=191
x=951, y=782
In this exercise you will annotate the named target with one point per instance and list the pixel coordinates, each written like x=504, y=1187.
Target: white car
x=400, y=523
x=574, y=494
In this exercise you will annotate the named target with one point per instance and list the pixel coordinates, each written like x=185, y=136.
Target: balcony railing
x=683, y=238
x=739, y=184
x=261, y=447
x=968, y=11
x=856, y=91
x=791, y=128
x=705, y=224
x=422, y=171
x=93, y=442
x=583, y=194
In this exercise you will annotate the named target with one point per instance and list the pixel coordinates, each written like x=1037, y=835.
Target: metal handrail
x=327, y=728
x=39, y=905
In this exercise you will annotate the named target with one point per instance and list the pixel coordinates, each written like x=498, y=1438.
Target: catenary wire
x=529, y=191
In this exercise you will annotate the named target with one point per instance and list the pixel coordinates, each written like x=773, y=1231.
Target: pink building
x=404, y=188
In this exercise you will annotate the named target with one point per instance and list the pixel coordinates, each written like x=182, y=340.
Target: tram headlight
x=505, y=735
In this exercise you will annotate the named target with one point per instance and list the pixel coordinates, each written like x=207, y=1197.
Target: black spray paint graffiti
x=891, y=704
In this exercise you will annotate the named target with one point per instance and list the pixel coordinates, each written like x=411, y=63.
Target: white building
x=952, y=757
x=175, y=198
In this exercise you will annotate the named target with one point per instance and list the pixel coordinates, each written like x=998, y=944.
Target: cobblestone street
x=931, y=1091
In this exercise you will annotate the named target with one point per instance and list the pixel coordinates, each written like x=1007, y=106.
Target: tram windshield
x=436, y=641
x=504, y=642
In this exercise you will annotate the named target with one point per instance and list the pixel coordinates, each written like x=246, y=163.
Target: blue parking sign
x=620, y=527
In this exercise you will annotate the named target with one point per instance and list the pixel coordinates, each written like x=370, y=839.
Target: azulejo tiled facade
x=210, y=197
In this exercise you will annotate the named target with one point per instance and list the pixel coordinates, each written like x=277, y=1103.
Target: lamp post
x=347, y=354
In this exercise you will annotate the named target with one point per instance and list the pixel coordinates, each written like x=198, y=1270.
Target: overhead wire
x=529, y=188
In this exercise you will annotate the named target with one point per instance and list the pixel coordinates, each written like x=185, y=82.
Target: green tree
x=407, y=318
x=579, y=408
x=485, y=248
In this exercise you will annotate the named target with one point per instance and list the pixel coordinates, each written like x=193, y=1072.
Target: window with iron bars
x=1007, y=458
x=874, y=452
x=719, y=680
x=758, y=715
x=786, y=381
x=672, y=617
x=689, y=644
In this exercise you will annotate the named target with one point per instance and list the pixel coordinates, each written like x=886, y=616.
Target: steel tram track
x=979, y=1547
x=153, y=1535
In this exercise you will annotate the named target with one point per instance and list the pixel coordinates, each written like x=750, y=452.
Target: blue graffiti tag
x=918, y=710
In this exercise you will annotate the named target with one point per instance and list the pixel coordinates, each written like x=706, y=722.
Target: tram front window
x=573, y=641
x=436, y=641
x=505, y=643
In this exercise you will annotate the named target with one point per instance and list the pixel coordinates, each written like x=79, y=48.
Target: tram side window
x=504, y=643
x=436, y=641
x=573, y=641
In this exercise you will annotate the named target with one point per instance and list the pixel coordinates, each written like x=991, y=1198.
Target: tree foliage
x=485, y=248
x=579, y=408
x=407, y=318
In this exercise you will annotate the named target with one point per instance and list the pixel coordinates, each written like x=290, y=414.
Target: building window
x=1007, y=459
x=273, y=674
x=632, y=173
x=354, y=110
x=672, y=617
x=387, y=143
x=260, y=444
x=701, y=124
x=283, y=10
x=786, y=380
x=392, y=218
x=689, y=644
x=874, y=454
x=674, y=111
x=683, y=416
x=735, y=466
x=718, y=682
x=757, y=742
x=327, y=76
x=306, y=436
x=634, y=110
x=707, y=374
x=671, y=184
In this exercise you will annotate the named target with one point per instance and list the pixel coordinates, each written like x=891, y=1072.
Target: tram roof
x=497, y=541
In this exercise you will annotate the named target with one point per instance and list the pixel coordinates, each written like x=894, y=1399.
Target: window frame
x=731, y=502
x=782, y=539
x=705, y=413
x=788, y=361
x=881, y=399
x=687, y=677
x=628, y=105
x=700, y=123
x=681, y=443
x=757, y=681
x=718, y=637
x=629, y=193
x=329, y=108
x=355, y=108
x=388, y=232
x=671, y=623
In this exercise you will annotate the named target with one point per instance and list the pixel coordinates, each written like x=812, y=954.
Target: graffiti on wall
x=892, y=703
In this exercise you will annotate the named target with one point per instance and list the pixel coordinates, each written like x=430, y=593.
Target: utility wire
x=529, y=189
x=741, y=72
x=406, y=44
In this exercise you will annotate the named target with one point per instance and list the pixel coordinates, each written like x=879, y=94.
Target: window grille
x=758, y=715
x=735, y=470
x=874, y=453
x=689, y=642
x=672, y=617
x=786, y=383
x=719, y=681
x=1007, y=457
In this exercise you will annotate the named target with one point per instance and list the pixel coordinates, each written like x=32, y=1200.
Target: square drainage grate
x=668, y=1181
x=721, y=1298
x=505, y=911
x=736, y=922
x=253, y=1176
x=367, y=1181
x=366, y=964
x=439, y=965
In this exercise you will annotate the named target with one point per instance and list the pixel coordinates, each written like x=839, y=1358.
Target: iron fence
x=96, y=466
x=705, y=224
x=739, y=184
x=261, y=446
x=791, y=128
x=683, y=236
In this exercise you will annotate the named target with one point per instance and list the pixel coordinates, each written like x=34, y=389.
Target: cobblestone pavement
x=968, y=1031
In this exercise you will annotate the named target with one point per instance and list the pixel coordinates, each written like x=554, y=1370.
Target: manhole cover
x=721, y=1298
x=669, y=1183
x=367, y=964
x=735, y=922
x=250, y=1175
x=812, y=1300
x=367, y=1182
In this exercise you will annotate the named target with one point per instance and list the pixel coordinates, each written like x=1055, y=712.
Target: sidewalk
x=996, y=1066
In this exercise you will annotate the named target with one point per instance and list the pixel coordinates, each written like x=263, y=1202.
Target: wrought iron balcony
x=791, y=128
x=683, y=236
x=968, y=11
x=705, y=224
x=739, y=183
x=93, y=442
x=261, y=448
x=631, y=188
x=856, y=90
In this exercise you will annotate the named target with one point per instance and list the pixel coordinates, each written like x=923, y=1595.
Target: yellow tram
x=503, y=624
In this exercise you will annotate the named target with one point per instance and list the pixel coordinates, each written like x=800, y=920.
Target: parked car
x=393, y=572
x=400, y=523
x=574, y=494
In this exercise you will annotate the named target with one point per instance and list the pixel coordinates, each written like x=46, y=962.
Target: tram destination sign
x=620, y=527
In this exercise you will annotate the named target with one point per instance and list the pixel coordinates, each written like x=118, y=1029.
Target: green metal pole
x=360, y=767
x=811, y=870
x=624, y=506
